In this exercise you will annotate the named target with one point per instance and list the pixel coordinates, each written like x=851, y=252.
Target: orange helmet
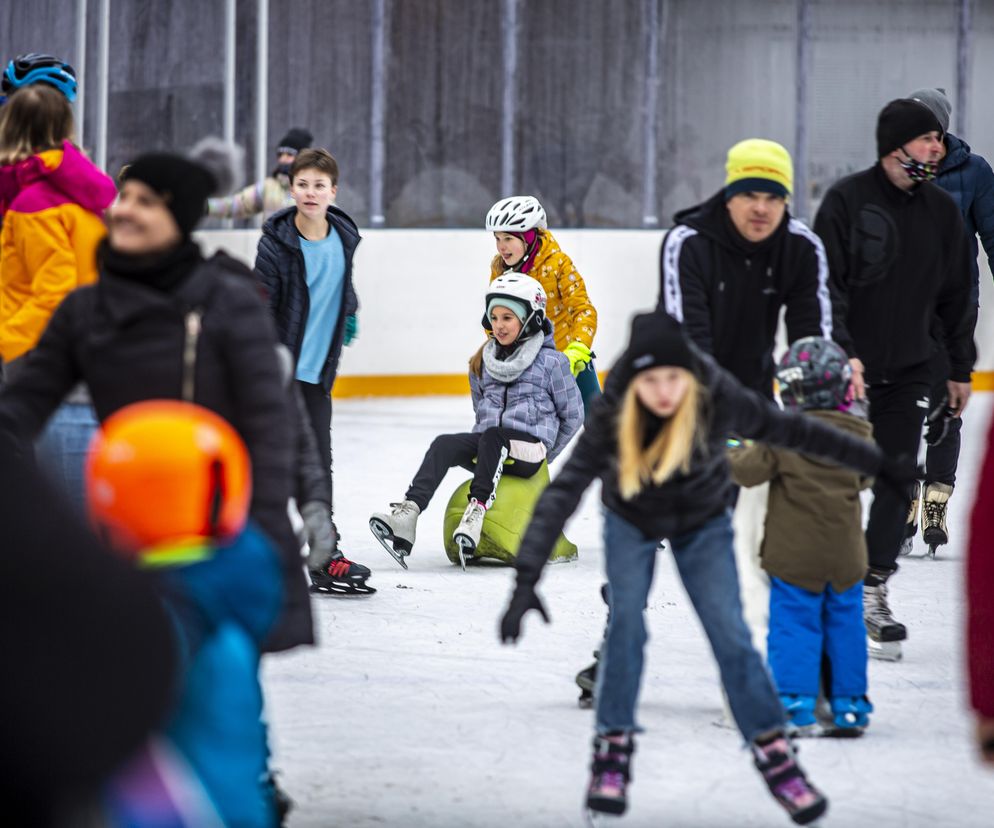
x=164, y=470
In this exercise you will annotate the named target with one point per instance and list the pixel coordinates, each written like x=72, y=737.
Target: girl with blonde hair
x=656, y=439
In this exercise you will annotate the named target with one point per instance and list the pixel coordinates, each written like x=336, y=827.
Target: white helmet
x=516, y=215
x=523, y=289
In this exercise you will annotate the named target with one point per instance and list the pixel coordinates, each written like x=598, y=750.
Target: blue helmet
x=33, y=67
x=814, y=374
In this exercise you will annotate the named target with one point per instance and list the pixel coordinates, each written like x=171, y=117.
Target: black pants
x=318, y=402
x=490, y=448
x=897, y=411
x=941, y=460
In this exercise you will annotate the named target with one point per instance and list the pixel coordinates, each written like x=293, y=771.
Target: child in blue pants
x=814, y=549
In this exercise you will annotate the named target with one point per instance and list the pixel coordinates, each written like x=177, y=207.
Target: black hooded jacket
x=279, y=265
x=897, y=259
x=687, y=500
x=728, y=291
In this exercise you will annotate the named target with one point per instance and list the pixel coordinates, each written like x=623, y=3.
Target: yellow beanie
x=759, y=166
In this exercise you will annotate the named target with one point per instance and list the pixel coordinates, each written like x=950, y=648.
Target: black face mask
x=282, y=169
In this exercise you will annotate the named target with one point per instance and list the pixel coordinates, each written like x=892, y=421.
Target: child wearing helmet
x=813, y=547
x=527, y=409
x=169, y=486
x=525, y=245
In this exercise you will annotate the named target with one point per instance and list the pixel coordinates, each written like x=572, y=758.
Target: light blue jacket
x=543, y=401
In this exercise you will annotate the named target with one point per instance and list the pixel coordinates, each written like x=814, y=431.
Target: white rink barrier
x=421, y=301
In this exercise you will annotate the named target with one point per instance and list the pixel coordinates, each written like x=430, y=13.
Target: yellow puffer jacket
x=51, y=205
x=569, y=309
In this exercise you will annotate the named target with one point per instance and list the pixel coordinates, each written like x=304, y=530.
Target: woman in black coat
x=164, y=323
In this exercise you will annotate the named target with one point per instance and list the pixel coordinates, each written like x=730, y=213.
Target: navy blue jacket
x=279, y=265
x=969, y=179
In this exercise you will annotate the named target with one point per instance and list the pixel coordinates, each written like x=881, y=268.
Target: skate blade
x=585, y=702
x=605, y=806
x=466, y=549
x=811, y=731
x=343, y=589
x=884, y=650
x=383, y=534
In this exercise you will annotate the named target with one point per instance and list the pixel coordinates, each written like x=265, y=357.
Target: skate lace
x=881, y=609
x=339, y=567
x=934, y=513
x=401, y=509
x=795, y=789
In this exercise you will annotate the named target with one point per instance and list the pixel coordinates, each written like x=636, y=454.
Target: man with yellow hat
x=726, y=269
x=729, y=265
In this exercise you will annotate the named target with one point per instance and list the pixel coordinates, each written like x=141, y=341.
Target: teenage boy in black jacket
x=898, y=257
x=304, y=261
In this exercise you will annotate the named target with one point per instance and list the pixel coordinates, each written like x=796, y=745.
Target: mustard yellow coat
x=51, y=226
x=569, y=309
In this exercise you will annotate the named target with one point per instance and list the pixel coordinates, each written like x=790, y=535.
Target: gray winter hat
x=936, y=100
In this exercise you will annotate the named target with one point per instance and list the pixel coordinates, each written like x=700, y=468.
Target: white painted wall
x=421, y=293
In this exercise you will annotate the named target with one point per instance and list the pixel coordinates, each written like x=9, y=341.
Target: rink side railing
x=421, y=301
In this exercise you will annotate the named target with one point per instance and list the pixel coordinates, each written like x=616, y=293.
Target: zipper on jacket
x=193, y=326
x=500, y=419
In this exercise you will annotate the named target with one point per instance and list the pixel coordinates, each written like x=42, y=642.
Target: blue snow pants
x=804, y=624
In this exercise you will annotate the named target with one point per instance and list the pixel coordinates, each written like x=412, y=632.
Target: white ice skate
x=911, y=525
x=467, y=534
x=396, y=531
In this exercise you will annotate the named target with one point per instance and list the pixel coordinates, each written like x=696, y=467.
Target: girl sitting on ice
x=656, y=439
x=527, y=408
x=525, y=244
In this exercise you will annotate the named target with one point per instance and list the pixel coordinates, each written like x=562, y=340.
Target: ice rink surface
x=410, y=713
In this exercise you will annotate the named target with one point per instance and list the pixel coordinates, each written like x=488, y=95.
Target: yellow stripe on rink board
x=430, y=385
x=983, y=380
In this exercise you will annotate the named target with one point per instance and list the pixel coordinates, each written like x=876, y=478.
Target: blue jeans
x=706, y=564
x=804, y=624
x=62, y=448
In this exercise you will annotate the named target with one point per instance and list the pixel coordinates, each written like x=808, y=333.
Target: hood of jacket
x=55, y=177
x=710, y=218
x=957, y=153
x=281, y=227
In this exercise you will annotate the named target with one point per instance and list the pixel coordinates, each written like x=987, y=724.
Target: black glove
x=523, y=598
x=900, y=472
x=937, y=423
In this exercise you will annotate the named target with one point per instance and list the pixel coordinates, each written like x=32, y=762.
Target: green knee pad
x=505, y=521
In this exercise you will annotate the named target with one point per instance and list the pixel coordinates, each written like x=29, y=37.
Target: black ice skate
x=341, y=576
x=586, y=680
x=396, y=531
x=775, y=760
x=934, y=501
x=610, y=773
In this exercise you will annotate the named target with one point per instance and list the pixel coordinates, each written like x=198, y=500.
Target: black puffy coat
x=686, y=501
x=279, y=266
x=126, y=341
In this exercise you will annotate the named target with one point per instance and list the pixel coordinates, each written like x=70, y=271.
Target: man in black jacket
x=898, y=257
x=730, y=264
x=727, y=268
